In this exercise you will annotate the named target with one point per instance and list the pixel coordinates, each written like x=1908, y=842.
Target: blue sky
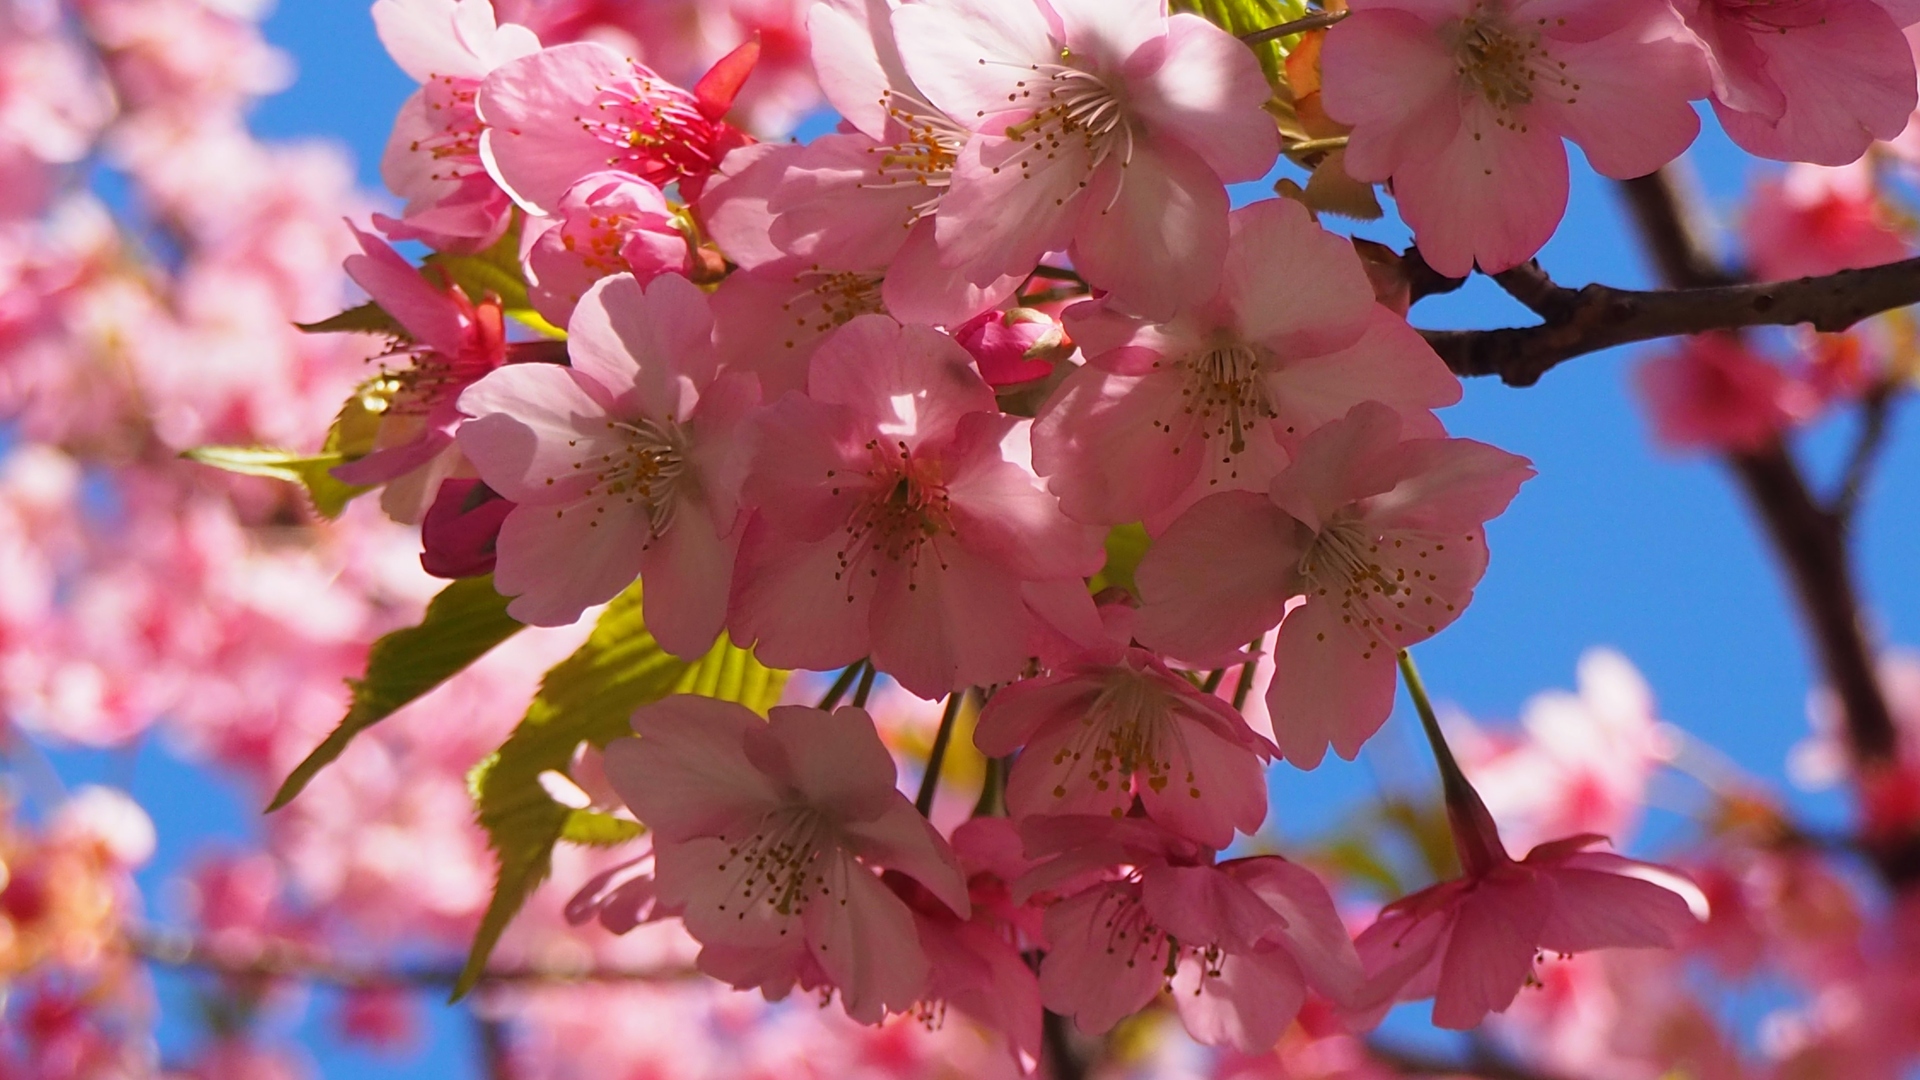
x=1614, y=543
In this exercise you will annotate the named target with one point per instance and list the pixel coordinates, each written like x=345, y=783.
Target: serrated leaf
x=368, y=318
x=588, y=697
x=461, y=624
x=731, y=673
x=594, y=829
x=310, y=471
x=1126, y=546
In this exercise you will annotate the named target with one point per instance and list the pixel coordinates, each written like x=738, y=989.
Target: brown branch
x=1298, y=26
x=1876, y=410
x=280, y=959
x=1600, y=317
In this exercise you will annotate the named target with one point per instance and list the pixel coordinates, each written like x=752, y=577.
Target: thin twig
x=1876, y=409
x=1244, y=687
x=1213, y=680
x=839, y=688
x=1317, y=146
x=1531, y=285
x=937, y=756
x=1298, y=26
x=866, y=685
x=1410, y=1062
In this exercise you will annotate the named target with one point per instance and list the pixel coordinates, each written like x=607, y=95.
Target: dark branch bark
x=1600, y=317
x=1876, y=413
x=1066, y=1057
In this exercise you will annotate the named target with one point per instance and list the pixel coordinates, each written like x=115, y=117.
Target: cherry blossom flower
x=1237, y=944
x=607, y=223
x=562, y=113
x=1013, y=347
x=432, y=159
x=1715, y=393
x=1117, y=726
x=1462, y=105
x=1808, y=80
x=767, y=837
x=455, y=343
x=1365, y=544
x=459, y=532
x=1471, y=943
x=1166, y=413
x=769, y=319
x=897, y=518
x=1101, y=127
x=1814, y=221
x=626, y=464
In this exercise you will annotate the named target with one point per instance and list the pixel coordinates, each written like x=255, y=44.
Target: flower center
x=455, y=144
x=1132, y=933
x=643, y=466
x=1128, y=730
x=906, y=505
x=1226, y=392
x=654, y=129
x=1075, y=106
x=780, y=866
x=832, y=299
x=923, y=156
x=1507, y=64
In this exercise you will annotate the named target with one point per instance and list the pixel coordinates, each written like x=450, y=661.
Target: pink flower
x=1237, y=944
x=565, y=112
x=1166, y=413
x=769, y=318
x=1714, y=393
x=1471, y=943
x=767, y=837
x=1365, y=544
x=897, y=518
x=626, y=464
x=1462, y=105
x=1102, y=127
x=459, y=531
x=1807, y=80
x=455, y=343
x=1099, y=733
x=432, y=159
x=607, y=223
x=1013, y=347
x=864, y=200
x=1815, y=221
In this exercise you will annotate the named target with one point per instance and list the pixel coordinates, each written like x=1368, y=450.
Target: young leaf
x=588, y=697
x=368, y=318
x=495, y=270
x=461, y=624
x=310, y=471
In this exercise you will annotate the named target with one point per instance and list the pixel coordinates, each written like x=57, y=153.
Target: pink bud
x=1014, y=347
x=460, y=528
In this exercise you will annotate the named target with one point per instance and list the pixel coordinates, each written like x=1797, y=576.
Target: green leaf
x=368, y=318
x=599, y=830
x=731, y=673
x=1126, y=546
x=310, y=471
x=495, y=270
x=588, y=697
x=461, y=624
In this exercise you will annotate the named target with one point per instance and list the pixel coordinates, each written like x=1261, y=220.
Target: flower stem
x=1245, y=686
x=840, y=686
x=1298, y=26
x=1475, y=837
x=866, y=684
x=938, y=755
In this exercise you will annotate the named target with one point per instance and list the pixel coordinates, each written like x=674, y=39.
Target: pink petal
x=699, y=877
x=900, y=839
x=836, y=208
x=1386, y=74
x=1390, y=363
x=863, y=937
x=1203, y=905
x=1333, y=684
x=1311, y=928
x=1628, y=105
x=651, y=345
x=1000, y=511
x=529, y=145
x=910, y=383
x=1214, y=785
x=1105, y=962
x=428, y=314
x=958, y=51
x=833, y=761
x=1292, y=285
x=947, y=620
x=533, y=423
x=1848, y=79
x=998, y=218
x=687, y=774
x=856, y=61
x=1492, y=197
x=1100, y=443
x=1206, y=93
x=1152, y=229
x=1490, y=953
x=1219, y=577
x=919, y=289
x=791, y=599
x=1598, y=906
x=557, y=562
x=1015, y=714
x=1246, y=1004
x=687, y=572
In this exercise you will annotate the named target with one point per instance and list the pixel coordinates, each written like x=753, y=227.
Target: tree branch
x=1600, y=317
x=1875, y=412
x=1410, y=1062
x=280, y=959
